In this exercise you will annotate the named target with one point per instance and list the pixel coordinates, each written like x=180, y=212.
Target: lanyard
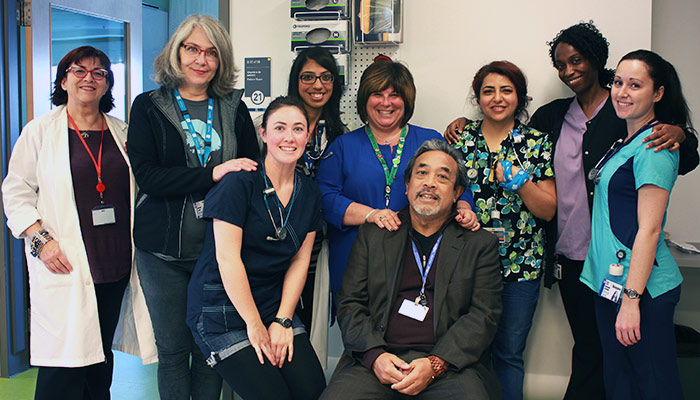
x=388, y=175
x=202, y=153
x=424, y=267
x=98, y=164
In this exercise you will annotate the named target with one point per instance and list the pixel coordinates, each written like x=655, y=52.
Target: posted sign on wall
x=257, y=81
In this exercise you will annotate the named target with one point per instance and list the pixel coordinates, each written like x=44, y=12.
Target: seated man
x=418, y=307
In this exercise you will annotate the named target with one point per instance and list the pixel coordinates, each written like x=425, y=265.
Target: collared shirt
x=573, y=215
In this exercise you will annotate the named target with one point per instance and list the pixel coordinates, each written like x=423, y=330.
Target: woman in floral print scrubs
x=511, y=204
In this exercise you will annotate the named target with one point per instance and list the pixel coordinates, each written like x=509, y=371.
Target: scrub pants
x=586, y=382
x=300, y=379
x=648, y=369
x=92, y=381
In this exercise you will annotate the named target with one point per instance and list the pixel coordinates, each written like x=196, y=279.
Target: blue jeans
x=519, y=304
x=165, y=289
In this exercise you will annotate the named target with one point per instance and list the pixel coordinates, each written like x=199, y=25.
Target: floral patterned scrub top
x=522, y=252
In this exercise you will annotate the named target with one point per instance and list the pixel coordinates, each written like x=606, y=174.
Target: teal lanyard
x=388, y=175
x=202, y=153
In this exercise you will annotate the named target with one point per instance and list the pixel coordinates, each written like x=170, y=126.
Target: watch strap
x=285, y=322
x=632, y=294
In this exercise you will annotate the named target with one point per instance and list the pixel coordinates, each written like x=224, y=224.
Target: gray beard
x=424, y=212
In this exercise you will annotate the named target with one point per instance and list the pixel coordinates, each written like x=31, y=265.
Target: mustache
x=427, y=191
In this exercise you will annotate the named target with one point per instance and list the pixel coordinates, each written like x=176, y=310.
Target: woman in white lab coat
x=69, y=193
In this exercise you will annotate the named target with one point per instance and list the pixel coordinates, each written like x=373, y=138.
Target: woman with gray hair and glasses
x=183, y=138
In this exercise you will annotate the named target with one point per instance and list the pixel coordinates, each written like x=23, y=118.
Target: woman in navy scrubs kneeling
x=253, y=266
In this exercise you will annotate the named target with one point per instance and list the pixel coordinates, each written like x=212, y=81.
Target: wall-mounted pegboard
x=361, y=58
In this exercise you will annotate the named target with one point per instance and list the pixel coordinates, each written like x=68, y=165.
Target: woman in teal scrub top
x=628, y=263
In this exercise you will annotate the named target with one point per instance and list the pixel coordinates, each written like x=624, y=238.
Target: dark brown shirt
x=108, y=247
x=402, y=332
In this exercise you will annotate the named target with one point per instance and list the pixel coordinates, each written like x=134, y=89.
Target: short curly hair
x=587, y=39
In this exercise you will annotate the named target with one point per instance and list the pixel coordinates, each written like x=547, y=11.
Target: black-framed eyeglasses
x=98, y=74
x=310, y=79
x=193, y=51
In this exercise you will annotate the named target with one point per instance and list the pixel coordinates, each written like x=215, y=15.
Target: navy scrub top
x=238, y=199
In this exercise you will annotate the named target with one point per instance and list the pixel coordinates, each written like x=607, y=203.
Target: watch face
x=285, y=322
x=631, y=293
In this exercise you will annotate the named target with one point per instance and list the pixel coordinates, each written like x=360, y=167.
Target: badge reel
x=499, y=231
x=104, y=214
x=617, y=269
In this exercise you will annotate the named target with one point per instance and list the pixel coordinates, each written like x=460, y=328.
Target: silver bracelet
x=369, y=213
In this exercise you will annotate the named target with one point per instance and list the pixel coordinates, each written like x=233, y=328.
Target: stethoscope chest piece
x=281, y=232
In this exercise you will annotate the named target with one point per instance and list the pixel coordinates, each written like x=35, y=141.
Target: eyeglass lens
x=194, y=51
x=98, y=73
x=311, y=78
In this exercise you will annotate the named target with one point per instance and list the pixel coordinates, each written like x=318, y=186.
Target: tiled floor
x=132, y=381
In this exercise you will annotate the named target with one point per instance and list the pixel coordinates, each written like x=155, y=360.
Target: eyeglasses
x=310, y=79
x=98, y=74
x=193, y=51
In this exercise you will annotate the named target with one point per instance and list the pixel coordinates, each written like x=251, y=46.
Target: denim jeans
x=165, y=289
x=519, y=303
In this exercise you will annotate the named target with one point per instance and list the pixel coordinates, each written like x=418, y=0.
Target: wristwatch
x=285, y=322
x=631, y=293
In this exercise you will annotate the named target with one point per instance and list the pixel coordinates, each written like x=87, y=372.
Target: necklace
x=391, y=138
x=84, y=134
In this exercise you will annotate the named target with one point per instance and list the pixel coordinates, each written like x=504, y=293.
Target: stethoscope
x=514, y=136
x=320, y=144
x=281, y=230
x=594, y=173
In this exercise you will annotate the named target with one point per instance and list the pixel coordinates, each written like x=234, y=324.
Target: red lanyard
x=98, y=164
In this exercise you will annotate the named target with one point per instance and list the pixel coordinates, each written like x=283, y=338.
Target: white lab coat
x=65, y=329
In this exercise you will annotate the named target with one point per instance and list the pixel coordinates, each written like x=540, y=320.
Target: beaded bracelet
x=40, y=238
x=438, y=366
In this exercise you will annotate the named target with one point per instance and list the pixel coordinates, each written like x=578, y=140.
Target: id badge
x=198, y=209
x=557, y=271
x=103, y=215
x=499, y=232
x=412, y=310
x=611, y=291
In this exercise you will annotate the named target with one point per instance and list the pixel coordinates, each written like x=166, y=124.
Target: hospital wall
x=446, y=41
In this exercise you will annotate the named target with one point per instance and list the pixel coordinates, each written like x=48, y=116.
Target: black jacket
x=603, y=130
x=160, y=163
